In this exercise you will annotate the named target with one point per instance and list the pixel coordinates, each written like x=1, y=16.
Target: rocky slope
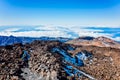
x=91, y=41
x=54, y=60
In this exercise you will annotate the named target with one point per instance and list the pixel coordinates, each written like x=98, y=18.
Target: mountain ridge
x=9, y=40
x=92, y=41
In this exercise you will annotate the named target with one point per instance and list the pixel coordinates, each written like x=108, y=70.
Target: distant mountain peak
x=99, y=41
x=102, y=38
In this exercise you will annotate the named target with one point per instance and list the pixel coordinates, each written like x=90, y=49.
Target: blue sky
x=60, y=12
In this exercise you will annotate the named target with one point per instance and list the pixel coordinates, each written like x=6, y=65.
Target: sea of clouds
x=60, y=31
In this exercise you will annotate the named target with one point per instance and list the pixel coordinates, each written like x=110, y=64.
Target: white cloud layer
x=57, y=31
x=11, y=29
x=117, y=38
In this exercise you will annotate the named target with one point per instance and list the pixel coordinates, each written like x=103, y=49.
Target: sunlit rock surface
x=54, y=60
x=91, y=41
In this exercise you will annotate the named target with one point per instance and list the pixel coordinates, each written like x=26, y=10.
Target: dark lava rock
x=54, y=60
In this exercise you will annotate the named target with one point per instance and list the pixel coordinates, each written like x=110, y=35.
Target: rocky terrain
x=55, y=60
x=91, y=41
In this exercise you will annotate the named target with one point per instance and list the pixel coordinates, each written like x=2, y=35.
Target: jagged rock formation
x=54, y=60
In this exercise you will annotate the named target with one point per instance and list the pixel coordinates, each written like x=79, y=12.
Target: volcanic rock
x=54, y=60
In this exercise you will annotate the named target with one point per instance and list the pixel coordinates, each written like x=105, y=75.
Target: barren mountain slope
x=99, y=41
x=53, y=60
